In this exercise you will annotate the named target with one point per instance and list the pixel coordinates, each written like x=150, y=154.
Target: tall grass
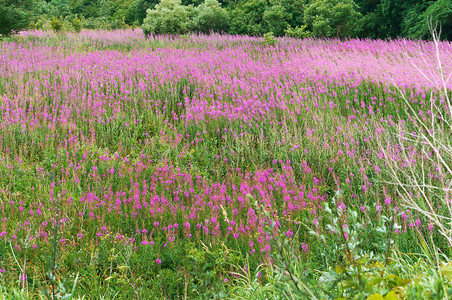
x=421, y=168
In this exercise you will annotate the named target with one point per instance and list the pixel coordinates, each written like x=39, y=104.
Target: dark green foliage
x=136, y=12
x=367, y=6
x=15, y=15
x=286, y=17
x=296, y=18
x=276, y=19
x=247, y=17
x=296, y=9
x=419, y=19
x=211, y=17
x=440, y=12
x=327, y=18
x=86, y=8
x=392, y=12
x=409, y=19
x=59, y=8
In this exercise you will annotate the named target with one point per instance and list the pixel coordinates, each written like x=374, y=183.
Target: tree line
x=297, y=18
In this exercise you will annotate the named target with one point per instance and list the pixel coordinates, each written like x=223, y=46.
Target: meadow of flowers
x=219, y=166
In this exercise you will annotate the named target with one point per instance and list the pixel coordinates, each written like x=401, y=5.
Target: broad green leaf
x=375, y=297
x=391, y=296
x=446, y=271
x=376, y=281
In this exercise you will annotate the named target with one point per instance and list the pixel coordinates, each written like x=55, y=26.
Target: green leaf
x=446, y=271
x=375, y=297
x=339, y=269
x=376, y=281
x=75, y=284
x=391, y=296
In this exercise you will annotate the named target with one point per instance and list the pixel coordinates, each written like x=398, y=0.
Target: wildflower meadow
x=224, y=167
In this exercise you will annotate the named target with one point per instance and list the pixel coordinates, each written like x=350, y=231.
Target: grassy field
x=224, y=167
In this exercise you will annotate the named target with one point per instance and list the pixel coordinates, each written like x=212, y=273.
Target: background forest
x=378, y=19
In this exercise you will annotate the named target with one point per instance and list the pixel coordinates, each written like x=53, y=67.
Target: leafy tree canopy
x=332, y=18
x=211, y=17
x=15, y=15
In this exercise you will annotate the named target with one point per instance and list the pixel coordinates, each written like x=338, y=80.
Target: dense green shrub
x=332, y=18
x=276, y=19
x=94, y=23
x=246, y=17
x=57, y=24
x=297, y=32
x=76, y=23
x=211, y=17
x=269, y=39
x=168, y=17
